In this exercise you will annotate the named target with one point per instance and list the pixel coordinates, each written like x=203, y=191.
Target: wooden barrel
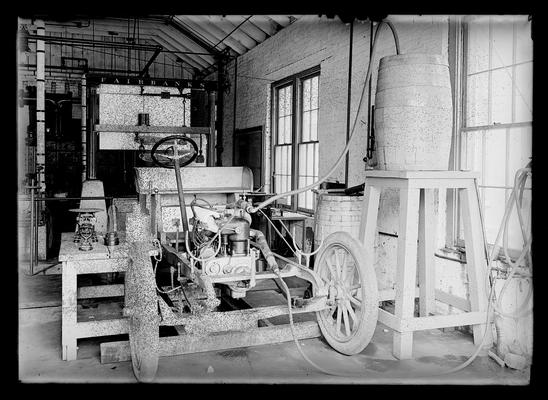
x=335, y=213
x=413, y=113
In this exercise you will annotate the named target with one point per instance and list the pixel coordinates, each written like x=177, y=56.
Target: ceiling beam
x=199, y=41
x=206, y=28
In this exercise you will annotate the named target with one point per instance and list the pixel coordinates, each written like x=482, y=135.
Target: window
x=496, y=131
x=295, y=127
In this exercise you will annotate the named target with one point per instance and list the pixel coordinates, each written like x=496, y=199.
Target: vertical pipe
x=347, y=159
x=36, y=208
x=31, y=247
x=211, y=140
x=235, y=98
x=84, y=126
x=219, y=123
x=40, y=124
x=40, y=107
x=91, y=141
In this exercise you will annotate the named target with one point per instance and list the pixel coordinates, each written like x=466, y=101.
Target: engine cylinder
x=239, y=236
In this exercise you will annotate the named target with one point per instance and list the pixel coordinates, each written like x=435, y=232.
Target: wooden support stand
x=417, y=209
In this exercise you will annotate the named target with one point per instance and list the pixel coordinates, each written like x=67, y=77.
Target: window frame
x=461, y=50
x=296, y=82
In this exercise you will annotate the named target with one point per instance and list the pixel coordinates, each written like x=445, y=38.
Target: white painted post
x=406, y=269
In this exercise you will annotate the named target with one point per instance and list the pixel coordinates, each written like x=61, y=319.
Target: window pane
x=495, y=201
x=306, y=95
x=306, y=127
x=314, y=125
x=520, y=148
x=288, y=100
x=288, y=129
x=503, y=42
x=472, y=155
x=277, y=167
x=524, y=43
x=478, y=46
x=281, y=130
x=315, y=91
x=281, y=102
x=476, y=99
x=524, y=92
x=495, y=157
x=302, y=195
x=501, y=100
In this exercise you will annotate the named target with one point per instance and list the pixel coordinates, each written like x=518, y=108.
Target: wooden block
x=91, y=292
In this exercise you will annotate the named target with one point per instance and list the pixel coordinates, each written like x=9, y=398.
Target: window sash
x=305, y=109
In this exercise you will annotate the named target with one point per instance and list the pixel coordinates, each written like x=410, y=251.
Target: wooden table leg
x=69, y=309
x=406, y=269
x=427, y=246
x=476, y=263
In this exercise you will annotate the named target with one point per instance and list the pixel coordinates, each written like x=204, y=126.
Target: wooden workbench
x=101, y=259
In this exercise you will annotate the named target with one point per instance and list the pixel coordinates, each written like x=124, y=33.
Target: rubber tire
x=370, y=296
x=143, y=342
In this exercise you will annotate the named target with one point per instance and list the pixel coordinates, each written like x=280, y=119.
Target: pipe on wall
x=41, y=107
x=84, y=126
x=348, y=102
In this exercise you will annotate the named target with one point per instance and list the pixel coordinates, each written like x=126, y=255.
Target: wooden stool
x=417, y=221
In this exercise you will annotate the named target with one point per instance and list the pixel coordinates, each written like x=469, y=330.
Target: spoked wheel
x=142, y=309
x=348, y=325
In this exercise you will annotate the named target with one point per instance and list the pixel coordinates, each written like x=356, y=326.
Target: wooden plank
x=406, y=272
x=368, y=221
x=443, y=321
x=426, y=261
x=389, y=319
x=152, y=129
x=99, y=266
x=455, y=301
x=390, y=294
x=68, y=315
x=405, y=174
x=91, y=292
x=187, y=344
x=102, y=328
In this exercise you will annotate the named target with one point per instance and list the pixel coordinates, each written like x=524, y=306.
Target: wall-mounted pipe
x=84, y=126
x=40, y=107
x=346, y=165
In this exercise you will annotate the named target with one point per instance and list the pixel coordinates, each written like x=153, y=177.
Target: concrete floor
x=434, y=352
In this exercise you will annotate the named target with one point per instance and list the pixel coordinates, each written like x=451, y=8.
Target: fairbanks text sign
x=178, y=83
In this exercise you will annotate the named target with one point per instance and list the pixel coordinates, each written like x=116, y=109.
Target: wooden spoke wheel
x=349, y=323
x=141, y=305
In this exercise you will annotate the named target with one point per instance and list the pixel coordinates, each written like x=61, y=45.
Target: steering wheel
x=182, y=148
